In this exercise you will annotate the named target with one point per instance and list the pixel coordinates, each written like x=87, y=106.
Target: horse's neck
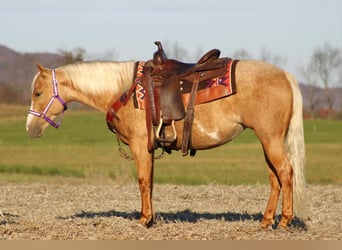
x=101, y=102
x=111, y=88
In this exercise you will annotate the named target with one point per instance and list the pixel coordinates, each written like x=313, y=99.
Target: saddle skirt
x=208, y=90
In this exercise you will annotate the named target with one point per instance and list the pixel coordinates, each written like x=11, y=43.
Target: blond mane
x=98, y=77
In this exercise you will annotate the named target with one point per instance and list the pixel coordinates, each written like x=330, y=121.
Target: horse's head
x=46, y=102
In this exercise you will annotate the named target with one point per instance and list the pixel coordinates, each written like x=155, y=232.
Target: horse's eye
x=37, y=94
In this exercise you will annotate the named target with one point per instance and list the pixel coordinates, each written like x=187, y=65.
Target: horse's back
x=254, y=76
x=263, y=92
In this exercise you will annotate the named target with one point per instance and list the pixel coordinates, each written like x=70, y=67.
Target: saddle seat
x=164, y=67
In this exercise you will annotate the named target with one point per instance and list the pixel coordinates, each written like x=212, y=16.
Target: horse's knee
x=280, y=167
x=285, y=174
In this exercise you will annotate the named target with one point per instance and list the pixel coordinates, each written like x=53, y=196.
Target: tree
x=267, y=56
x=106, y=55
x=77, y=55
x=175, y=51
x=242, y=54
x=312, y=97
x=325, y=67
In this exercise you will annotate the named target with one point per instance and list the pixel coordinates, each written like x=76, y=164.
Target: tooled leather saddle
x=163, y=83
x=165, y=102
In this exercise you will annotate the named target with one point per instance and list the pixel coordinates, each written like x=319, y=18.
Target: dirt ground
x=46, y=211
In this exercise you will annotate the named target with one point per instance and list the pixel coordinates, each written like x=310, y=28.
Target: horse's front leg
x=144, y=164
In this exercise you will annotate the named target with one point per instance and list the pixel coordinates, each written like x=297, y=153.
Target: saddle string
x=129, y=157
x=189, y=117
x=122, y=151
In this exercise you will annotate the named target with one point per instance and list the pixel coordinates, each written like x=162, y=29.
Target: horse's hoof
x=146, y=222
x=266, y=223
x=283, y=226
x=284, y=222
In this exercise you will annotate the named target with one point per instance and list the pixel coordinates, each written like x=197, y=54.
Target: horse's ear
x=40, y=68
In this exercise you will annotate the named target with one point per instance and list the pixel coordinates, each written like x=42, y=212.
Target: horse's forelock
x=34, y=81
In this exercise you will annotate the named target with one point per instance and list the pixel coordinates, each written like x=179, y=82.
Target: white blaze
x=29, y=120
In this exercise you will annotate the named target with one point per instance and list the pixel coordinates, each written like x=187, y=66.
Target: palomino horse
x=268, y=101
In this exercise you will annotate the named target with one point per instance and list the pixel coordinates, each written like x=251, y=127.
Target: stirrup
x=173, y=130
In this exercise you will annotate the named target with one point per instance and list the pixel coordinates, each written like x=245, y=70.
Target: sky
x=291, y=29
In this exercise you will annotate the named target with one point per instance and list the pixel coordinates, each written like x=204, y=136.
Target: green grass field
x=83, y=150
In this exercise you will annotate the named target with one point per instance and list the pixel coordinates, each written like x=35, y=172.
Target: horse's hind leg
x=281, y=178
x=268, y=218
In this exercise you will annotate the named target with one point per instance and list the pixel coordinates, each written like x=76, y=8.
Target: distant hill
x=315, y=96
x=18, y=69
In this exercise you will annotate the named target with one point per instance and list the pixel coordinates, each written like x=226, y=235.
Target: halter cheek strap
x=54, y=96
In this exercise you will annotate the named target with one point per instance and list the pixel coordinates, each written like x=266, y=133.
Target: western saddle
x=163, y=93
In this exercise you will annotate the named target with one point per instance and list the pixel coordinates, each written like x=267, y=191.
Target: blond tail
x=296, y=149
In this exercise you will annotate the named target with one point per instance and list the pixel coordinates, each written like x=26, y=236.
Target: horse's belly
x=208, y=135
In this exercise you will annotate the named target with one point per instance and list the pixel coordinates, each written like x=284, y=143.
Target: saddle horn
x=159, y=57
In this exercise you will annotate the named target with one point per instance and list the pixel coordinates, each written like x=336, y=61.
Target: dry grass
x=71, y=211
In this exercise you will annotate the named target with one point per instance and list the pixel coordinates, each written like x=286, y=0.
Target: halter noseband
x=54, y=96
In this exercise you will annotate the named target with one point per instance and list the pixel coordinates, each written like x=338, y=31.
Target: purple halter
x=54, y=96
